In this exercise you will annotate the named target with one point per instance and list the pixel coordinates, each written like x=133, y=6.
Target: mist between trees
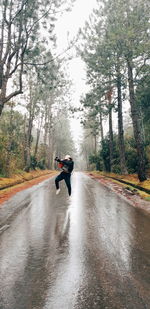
x=115, y=47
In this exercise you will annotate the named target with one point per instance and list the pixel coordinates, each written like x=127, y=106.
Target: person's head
x=67, y=157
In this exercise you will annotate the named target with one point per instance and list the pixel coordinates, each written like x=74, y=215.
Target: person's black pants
x=66, y=177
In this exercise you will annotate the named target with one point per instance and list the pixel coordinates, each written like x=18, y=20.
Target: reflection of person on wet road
x=67, y=167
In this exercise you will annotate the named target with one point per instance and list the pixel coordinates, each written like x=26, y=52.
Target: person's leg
x=68, y=182
x=58, y=179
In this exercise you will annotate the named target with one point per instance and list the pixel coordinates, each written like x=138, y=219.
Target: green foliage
x=143, y=100
x=97, y=161
x=104, y=154
x=11, y=137
x=103, y=157
x=131, y=160
x=33, y=163
x=41, y=164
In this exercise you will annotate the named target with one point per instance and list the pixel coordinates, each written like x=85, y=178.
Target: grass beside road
x=21, y=177
x=131, y=183
x=22, y=181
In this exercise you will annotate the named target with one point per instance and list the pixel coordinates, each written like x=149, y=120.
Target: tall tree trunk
x=9, y=146
x=95, y=144
x=102, y=135
x=110, y=139
x=25, y=141
x=136, y=124
x=101, y=126
x=49, y=161
x=45, y=131
x=50, y=153
x=1, y=107
x=37, y=142
x=2, y=94
x=38, y=136
x=120, y=124
x=29, y=140
x=53, y=153
x=109, y=97
x=28, y=158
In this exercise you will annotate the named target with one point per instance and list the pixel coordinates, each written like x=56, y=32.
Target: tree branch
x=44, y=63
x=13, y=94
x=20, y=10
x=29, y=31
x=8, y=45
x=142, y=66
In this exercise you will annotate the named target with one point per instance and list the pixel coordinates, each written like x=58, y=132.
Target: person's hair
x=67, y=157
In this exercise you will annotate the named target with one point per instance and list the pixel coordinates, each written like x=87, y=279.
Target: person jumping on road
x=67, y=166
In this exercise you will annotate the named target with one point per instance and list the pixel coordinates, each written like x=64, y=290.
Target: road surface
x=87, y=251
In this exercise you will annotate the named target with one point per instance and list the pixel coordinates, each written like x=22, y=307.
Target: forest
x=35, y=92
x=115, y=47
x=34, y=89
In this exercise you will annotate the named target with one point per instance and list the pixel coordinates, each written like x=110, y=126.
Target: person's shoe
x=57, y=191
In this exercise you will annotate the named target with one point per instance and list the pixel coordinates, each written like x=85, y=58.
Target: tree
x=32, y=108
x=87, y=149
x=21, y=27
x=120, y=119
x=131, y=18
x=11, y=137
x=93, y=119
x=142, y=96
x=111, y=44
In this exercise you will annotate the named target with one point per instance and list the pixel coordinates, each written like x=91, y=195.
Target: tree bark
x=9, y=146
x=95, y=144
x=1, y=107
x=135, y=114
x=120, y=124
x=50, y=153
x=38, y=136
x=37, y=142
x=101, y=126
x=110, y=130
x=29, y=130
x=110, y=139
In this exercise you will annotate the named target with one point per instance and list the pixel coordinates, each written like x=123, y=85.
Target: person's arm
x=58, y=160
x=66, y=162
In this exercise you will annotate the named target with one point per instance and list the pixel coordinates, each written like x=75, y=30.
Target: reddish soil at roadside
x=134, y=199
x=9, y=192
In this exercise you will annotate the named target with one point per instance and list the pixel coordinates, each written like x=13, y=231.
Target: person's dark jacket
x=68, y=165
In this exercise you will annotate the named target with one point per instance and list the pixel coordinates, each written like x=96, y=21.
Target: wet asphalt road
x=89, y=251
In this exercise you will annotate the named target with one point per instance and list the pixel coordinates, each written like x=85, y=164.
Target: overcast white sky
x=67, y=27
